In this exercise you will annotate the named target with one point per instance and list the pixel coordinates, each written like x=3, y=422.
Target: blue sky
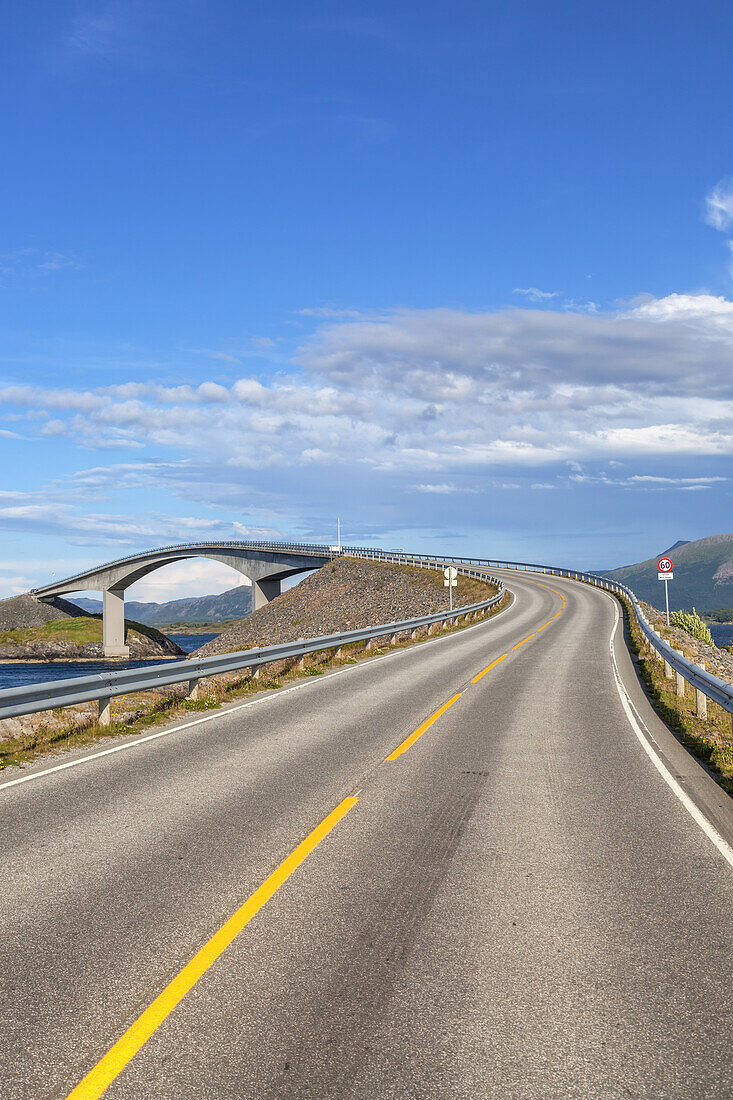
x=460, y=273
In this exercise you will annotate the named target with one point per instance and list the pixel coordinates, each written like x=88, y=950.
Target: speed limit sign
x=664, y=565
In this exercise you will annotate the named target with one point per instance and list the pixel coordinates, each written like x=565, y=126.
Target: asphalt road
x=518, y=905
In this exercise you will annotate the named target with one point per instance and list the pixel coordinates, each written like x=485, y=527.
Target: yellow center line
x=98, y=1080
x=488, y=668
x=421, y=729
x=523, y=641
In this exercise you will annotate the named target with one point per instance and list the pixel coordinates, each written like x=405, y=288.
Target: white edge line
x=219, y=713
x=645, y=737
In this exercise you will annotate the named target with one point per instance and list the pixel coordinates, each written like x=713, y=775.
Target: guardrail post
x=415, y=634
x=701, y=703
x=668, y=670
x=193, y=689
x=393, y=639
x=337, y=653
x=105, y=710
x=680, y=677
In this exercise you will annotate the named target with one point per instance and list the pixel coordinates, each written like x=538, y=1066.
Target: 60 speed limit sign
x=664, y=565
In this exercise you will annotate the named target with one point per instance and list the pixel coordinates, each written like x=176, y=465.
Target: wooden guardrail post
x=701, y=703
x=192, y=692
x=105, y=710
x=680, y=677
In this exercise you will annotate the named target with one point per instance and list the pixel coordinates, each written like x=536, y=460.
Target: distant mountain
x=703, y=575
x=234, y=604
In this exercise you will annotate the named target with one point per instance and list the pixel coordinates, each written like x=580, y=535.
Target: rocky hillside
x=703, y=575
x=232, y=604
x=59, y=630
x=347, y=594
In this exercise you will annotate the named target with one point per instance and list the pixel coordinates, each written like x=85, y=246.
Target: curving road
x=517, y=904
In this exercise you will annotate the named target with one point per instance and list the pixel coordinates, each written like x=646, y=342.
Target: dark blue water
x=722, y=633
x=189, y=642
x=17, y=673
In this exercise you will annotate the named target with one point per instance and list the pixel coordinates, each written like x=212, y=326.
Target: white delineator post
x=666, y=596
x=451, y=579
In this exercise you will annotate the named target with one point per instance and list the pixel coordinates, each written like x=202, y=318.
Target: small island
x=58, y=630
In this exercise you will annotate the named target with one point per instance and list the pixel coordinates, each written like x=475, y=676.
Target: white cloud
x=392, y=407
x=32, y=263
x=439, y=390
x=68, y=514
x=675, y=480
x=443, y=489
x=713, y=311
x=327, y=311
x=535, y=294
x=719, y=205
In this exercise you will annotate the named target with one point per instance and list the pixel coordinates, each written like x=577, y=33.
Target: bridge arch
x=266, y=565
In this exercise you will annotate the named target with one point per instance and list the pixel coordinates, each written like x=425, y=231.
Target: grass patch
x=201, y=704
x=79, y=631
x=86, y=630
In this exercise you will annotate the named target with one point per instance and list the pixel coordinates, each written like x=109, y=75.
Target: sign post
x=451, y=575
x=664, y=565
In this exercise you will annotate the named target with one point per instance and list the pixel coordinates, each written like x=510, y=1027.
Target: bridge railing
x=307, y=549
x=103, y=687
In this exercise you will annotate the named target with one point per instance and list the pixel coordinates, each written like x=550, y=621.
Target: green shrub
x=693, y=624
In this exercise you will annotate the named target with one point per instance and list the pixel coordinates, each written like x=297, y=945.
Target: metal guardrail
x=53, y=694
x=702, y=680
x=712, y=687
x=27, y=700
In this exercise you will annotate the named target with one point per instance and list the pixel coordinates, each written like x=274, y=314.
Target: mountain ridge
x=235, y=603
x=703, y=574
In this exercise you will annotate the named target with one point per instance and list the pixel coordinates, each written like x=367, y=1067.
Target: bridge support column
x=113, y=623
x=264, y=590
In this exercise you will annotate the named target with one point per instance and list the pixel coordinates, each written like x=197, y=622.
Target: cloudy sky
x=460, y=274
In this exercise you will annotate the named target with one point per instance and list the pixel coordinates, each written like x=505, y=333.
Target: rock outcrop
x=346, y=594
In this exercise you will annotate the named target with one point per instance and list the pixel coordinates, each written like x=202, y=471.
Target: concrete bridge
x=265, y=564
